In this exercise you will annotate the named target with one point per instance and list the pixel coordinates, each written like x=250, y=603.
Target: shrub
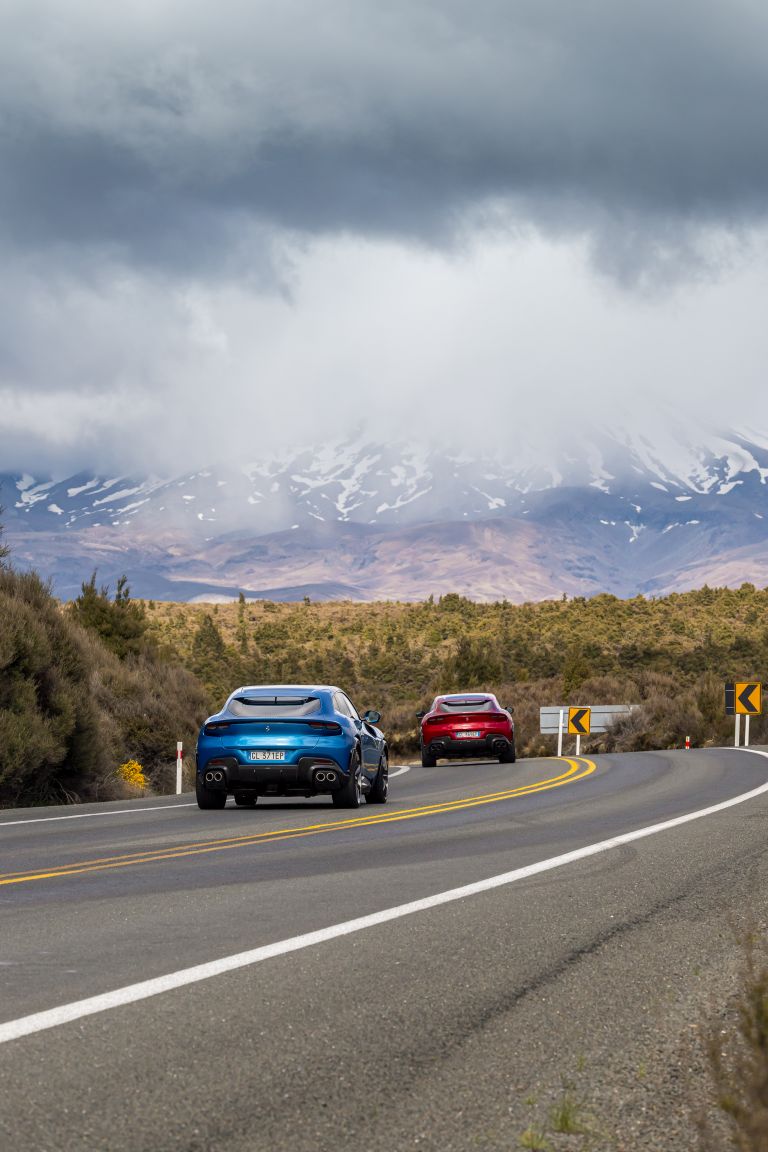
x=133, y=774
x=70, y=709
x=738, y=1061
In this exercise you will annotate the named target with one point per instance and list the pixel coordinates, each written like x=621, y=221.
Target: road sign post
x=179, y=765
x=743, y=699
x=553, y=719
x=579, y=724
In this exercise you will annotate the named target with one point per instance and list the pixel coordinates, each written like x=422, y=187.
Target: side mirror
x=372, y=717
x=420, y=715
x=510, y=710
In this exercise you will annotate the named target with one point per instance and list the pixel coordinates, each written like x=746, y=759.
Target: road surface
x=298, y=977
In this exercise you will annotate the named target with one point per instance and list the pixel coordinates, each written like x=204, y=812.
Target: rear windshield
x=273, y=706
x=473, y=704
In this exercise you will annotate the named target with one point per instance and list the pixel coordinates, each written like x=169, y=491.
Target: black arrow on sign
x=745, y=697
x=576, y=721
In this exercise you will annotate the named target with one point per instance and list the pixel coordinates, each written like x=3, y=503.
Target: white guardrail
x=553, y=720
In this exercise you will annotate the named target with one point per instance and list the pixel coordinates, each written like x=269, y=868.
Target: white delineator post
x=578, y=744
x=746, y=730
x=179, y=765
x=560, y=734
x=737, y=731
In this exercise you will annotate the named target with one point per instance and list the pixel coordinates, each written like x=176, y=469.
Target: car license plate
x=467, y=735
x=266, y=755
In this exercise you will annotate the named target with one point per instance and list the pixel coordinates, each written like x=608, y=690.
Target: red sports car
x=469, y=724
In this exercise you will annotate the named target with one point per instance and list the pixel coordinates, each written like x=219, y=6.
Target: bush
x=133, y=774
x=669, y=655
x=71, y=711
x=738, y=1061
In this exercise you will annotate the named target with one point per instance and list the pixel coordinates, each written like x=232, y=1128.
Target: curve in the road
x=66, y=1013
x=577, y=770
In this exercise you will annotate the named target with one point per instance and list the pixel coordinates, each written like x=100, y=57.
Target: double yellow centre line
x=577, y=770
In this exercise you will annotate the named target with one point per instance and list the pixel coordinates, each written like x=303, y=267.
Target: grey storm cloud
x=225, y=224
x=164, y=131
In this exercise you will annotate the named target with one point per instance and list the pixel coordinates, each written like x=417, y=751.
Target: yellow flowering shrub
x=133, y=774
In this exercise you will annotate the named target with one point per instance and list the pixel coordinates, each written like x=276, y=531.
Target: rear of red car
x=468, y=725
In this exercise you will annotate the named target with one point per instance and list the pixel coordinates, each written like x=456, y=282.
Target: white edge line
x=399, y=771
x=112, y=812
x=66, y=1013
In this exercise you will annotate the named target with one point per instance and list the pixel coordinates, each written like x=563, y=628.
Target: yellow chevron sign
x=749, y=699
x=578, y=721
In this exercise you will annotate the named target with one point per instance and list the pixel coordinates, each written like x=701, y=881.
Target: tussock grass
x=738, y=1060
x=669, y=655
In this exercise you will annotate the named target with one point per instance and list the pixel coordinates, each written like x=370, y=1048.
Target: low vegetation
x=669, y=655
x=89, y=687
x=738, y=1060
x=77, y=721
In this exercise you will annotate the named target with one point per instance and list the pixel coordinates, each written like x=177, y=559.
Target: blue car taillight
x=217, y=728
x=325, y=727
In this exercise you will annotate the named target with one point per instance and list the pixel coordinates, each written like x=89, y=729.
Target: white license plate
x=265, y=755
x=467, y=735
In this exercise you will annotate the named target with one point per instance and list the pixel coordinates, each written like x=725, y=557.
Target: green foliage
x=4, y=550
x=71, y=711
x=670, y=655
x=212, y=661
x=121, y=623
x=47, y=718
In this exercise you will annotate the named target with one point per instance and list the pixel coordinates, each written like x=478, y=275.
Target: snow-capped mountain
x=619, y=513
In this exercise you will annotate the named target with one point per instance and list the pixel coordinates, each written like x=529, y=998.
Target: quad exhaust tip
x=214, y=777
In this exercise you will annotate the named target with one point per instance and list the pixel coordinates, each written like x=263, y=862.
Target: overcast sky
x=229, y=225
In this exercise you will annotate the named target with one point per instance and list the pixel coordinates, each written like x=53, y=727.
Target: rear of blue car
x=272, y=745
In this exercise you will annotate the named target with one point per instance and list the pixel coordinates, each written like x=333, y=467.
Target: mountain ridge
x=367, y=521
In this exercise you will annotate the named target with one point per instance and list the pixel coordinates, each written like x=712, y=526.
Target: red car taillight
x=435, y=719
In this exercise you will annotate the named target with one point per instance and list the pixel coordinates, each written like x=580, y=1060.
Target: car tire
x=380, y=787
x=509, y=755
x=427, y=761
x=245, y=799
x=207, y=798
x=350, y=795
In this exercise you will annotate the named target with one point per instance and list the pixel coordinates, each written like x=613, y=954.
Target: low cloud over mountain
x=369, y=521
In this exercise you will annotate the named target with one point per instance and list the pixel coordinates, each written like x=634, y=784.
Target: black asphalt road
x=458, y=1027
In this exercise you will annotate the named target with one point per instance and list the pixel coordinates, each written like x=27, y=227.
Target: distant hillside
x=669, y=654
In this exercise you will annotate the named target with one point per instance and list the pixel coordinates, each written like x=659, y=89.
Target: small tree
x=121, y=623
x=4, y=549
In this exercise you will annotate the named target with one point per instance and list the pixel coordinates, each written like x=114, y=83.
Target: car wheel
x=509, y=755
x=427, y=761
x=207, y=798
x=350, y=795
x=245, y=799
x=380, y=787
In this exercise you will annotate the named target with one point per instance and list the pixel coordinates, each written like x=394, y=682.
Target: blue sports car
x=291, y=740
